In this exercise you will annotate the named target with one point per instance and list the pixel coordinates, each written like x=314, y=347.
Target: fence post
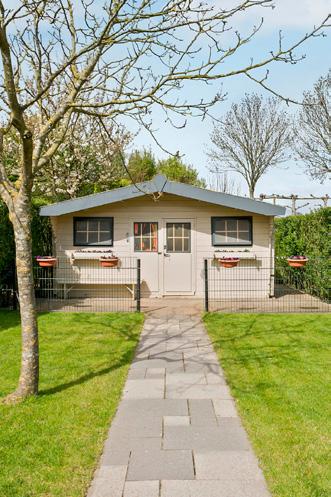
x=138, y=284
x=206, y=285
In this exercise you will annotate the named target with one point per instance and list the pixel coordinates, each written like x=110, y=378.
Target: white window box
x=79, y=255
x=241, y=255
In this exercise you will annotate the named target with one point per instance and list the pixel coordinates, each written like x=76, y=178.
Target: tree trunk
x=29, y=375
x=251, y=191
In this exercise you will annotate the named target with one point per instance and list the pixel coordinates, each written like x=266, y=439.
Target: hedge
x=309, y=235
x=41, y=237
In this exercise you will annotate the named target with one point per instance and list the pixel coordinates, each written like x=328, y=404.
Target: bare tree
x=221, y=182
x=313, y=130
x=253, y=137
x=59, y=56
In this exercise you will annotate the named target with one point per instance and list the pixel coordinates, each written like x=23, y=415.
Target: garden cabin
x=172, y=228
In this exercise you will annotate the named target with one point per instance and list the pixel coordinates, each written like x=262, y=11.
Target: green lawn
x=278, y=368
x=49, y=445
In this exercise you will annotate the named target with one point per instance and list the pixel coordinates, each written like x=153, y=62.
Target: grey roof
x=161, y=184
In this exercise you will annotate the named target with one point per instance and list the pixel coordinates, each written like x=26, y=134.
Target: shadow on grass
x=125, y=359
x=9, y=319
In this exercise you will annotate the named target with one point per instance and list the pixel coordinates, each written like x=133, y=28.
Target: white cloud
x=297, y=13
x=287, y=14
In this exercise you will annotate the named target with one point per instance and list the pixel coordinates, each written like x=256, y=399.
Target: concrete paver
x=161, y=465
x=176, y=432
x=213, y=488
x=141, y=489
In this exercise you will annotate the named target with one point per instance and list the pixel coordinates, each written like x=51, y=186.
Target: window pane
x=219, y=238
x=232, y=237
x=146, y=244
x=187, y=230
x=154, y=228
x=93, y=225
x=186, y=245
x=178, y=229
x=104, y=225
x=93, y=237
x=93, y=231
x=244, y=236
x=235, y=231
x=145, y=228
x=170, y=229
x=219, y=224
x=178, y=245
x=81, y=237
x=231, y=225
x=137, y=229
x=170, y=245
x=105, y=237
x=154, y=244
x=81, y=225
x=243, y=225
x=137, y=244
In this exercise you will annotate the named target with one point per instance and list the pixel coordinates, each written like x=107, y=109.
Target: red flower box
x=46, y=260
x=228, y=261
x=110, y=261
x=297, y=260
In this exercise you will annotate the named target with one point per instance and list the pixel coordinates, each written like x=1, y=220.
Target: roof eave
x=160, y=184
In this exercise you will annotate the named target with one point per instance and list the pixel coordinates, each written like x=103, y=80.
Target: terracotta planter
x=111, y=262
x=228, y=262
x=46, y=261
x=300, y=261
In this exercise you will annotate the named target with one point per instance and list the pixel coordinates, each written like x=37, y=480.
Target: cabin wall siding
x=168, y=207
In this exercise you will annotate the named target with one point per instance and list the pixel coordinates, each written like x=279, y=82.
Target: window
x=178, y=237
x=231, y=231
x=97, y=231
x=145, y=237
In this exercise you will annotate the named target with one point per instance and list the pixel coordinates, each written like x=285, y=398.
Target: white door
x=178, y=257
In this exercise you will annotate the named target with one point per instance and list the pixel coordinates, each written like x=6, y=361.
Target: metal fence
x=267, y=285
x=83, y=285
x=8, y=293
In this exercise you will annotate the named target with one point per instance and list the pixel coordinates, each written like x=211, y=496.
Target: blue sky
x=295, y=19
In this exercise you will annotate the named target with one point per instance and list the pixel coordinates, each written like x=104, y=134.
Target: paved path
x=177, y=432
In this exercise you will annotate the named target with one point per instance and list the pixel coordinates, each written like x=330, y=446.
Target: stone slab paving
x=176, y=432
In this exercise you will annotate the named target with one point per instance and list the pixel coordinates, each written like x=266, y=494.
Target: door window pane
x=178, y=237
x=145, y=237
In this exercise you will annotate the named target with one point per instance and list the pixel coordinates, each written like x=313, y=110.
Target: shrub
x=308, y=235
x=41, y=238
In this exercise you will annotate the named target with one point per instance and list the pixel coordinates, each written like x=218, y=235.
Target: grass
x=49, y=445
x=277, y=368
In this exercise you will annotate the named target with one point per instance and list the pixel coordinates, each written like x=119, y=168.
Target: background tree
x=222, y=182
x=175, y=169
x=313, y=130
x=253, y=137
x=107, y=59
x=141, y=166
x=88, y=161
